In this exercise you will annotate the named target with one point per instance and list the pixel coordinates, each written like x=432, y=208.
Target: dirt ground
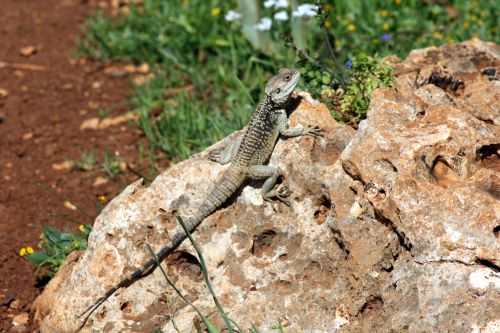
x=46, y=93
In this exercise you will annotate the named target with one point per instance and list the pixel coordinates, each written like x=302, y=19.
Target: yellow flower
x=474, y=18
x=185, y=3
x=101, y=198
x=480, y=23
x=67, y=249
x=351, y=27
x=338, y=43
x=398, y=2
x=75, y=244
x=383, y=13
x=437, y=35
x=466, y=25
x=450, y=40
x=26, y=251
x=375, y=41
x=81, y=228
x=326, y=6
x=385, y=26
x=328, y=24
x=215, y=11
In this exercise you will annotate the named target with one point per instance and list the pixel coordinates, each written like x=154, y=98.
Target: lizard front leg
x=268, y=190
x=282, y=121
x=226, y=155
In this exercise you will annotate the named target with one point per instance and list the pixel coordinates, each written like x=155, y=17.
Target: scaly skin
x=248, y=156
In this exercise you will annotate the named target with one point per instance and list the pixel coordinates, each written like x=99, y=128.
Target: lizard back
x=260, y=136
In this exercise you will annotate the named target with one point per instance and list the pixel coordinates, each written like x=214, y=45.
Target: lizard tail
x=226, y=187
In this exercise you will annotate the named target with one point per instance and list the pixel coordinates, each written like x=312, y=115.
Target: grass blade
x=205, y=276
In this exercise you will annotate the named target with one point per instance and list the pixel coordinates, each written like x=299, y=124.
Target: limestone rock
x=391, y=228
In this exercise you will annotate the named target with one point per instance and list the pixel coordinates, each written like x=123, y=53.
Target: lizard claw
x=313, y=131
x=281, y=193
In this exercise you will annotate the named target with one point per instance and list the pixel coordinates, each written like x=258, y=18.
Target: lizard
x=248, y=156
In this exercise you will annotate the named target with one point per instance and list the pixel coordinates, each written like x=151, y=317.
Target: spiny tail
x=228, y=185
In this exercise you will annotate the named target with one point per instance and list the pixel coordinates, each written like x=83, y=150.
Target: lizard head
x=280, y=86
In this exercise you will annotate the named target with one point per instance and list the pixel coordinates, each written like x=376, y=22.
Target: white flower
x=276, y=3
x=264, y=24
x=269, y=3
x=281, y=4
x=232, y=15
x=281, y=16
x=305, y=10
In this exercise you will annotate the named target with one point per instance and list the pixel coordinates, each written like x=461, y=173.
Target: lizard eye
x=287, y=78
x=278, y=90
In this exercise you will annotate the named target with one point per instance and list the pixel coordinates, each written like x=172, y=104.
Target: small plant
x=54, y=247
x=113, y=165
x=366, y=74
x=104, y=112
x=88, y=162
x=279, y=326
x=101, y=202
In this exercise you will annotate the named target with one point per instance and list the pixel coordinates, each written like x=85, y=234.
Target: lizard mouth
x=293, y=83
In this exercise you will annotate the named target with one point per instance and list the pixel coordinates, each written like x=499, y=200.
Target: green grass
x=210, y=73
x=112, y=164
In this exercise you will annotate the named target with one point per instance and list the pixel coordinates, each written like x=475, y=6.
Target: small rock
x=14, y=304
x=27, y=51
x=96, y=85
x=94, y=105
x=21, y=319
x=68, y=86
x=27, y=136
x=92, y=123
x=18, y=73
x=143, y=69
x=105, y=123
x=123, y=166
x=100, y=181
x=4, y=93
x=115, y=71
x=130, y=69
x=66, y=165
x=140, y=80
x=69, y=205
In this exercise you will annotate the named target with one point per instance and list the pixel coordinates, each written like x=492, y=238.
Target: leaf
x=53, y=235
x=38, y=258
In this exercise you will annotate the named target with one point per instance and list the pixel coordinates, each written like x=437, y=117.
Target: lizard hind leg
x=269, y=189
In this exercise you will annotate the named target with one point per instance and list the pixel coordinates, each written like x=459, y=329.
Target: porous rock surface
x=393, y=228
